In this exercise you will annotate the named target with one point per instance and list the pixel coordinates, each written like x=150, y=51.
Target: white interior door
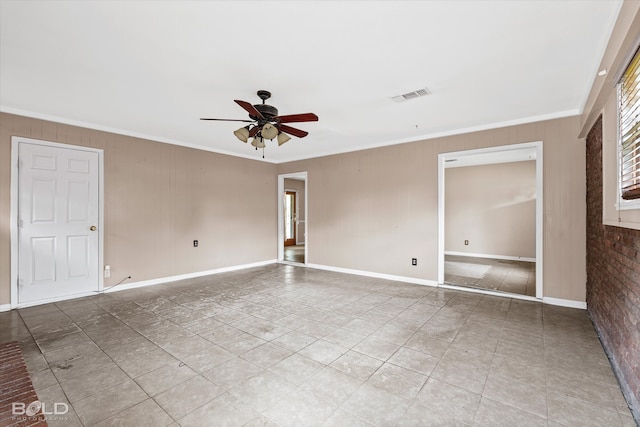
x=58, y=218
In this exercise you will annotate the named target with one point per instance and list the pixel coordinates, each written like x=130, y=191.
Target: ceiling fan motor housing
x=267, y=111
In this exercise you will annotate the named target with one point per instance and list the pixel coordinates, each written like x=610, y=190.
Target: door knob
x=93, y=228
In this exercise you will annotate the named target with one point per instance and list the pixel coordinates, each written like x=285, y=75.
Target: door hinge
x=20, y=223
x=20, y=282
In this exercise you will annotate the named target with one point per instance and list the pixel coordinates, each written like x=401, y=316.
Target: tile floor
x=294, y=253
x=291, y=346
x=516, y=277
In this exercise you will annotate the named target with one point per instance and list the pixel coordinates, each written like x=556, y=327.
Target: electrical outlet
x=466, y=243
x=414, y=261
x=195, y=243
x=107, y=271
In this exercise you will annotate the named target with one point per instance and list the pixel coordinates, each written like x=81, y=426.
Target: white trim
x=442, y=157
x=413, y=280
x=55, y=299
x=125, y=132
x=5, y=307
x=429, y=136
x=565, y=302
x=280, y=205
x=490, y=292
x=161, y=280
x=15, y=141
x=489, y=256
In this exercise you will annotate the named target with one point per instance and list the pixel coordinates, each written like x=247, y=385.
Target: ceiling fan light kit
x=242, y=134
x=265, y=123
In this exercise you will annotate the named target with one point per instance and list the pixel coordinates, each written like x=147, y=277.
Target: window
x=629, y=130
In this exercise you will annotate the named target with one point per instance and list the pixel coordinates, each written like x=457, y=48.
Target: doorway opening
x=490, y=220
x=292, y=218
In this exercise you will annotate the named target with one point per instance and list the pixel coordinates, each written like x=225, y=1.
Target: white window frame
x=622, y=204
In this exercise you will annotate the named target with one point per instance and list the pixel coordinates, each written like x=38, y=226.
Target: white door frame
x=443, y=157
x=15, y=141
x=280, y=204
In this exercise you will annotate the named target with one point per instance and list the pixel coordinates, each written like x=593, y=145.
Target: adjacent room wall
x=374, y=210
x=298, y=186
x=493, y=207
x=158, y=199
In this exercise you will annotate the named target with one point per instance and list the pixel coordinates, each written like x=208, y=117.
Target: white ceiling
x=152, y=69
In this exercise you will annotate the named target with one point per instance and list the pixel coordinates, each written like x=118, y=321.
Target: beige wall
x=158, y=199
x=493, y=207
x=376, y=209
x=298, y=186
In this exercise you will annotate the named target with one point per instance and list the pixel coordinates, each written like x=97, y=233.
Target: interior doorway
x=292, y=218
x=490, y=220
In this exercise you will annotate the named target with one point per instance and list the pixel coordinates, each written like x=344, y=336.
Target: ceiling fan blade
x=230, y=120
x=293, y=131
x=254, y=131
x=297, y=118
x=249, y=108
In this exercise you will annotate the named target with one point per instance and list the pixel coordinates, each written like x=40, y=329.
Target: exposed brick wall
x=613, y=280
x=16, y=387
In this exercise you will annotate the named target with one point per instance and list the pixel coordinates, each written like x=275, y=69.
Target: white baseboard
x=505, y=257
x=160, y=280
x=565, y=303
x=489, y=292
x=52, y=300
x=365, y=273
x=5, y=307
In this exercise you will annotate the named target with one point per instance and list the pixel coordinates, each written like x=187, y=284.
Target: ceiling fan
x=265, y=122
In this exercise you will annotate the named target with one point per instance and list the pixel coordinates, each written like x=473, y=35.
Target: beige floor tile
x=145, y=414
x=262, y=391
x=526, y=396
x=232, y=372
x=165, y=377
x=108, y=403
x=140, y=364
x=398, y=381
x=84, y=364
x=101, y=379
x=240, y=342
x=466, y=369
x=294, y=340
x=357, y=365
x=545, y=356
x=295, y=369
x=225, y=410
x=570, y=411
x=323, y=351
x=341, y=418
x=414, y=360
x=375, y=406
x=301, y=408
x=375, y=347
x=266, y=355
x=445, y=398
x=496, y=414
x=332, y=385
x=421, y=341
x=418, y=415
x=188, y=396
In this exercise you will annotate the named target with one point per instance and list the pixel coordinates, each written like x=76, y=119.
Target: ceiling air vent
x=411, y=95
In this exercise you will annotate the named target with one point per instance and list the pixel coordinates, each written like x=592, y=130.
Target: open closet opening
x=491, y=220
